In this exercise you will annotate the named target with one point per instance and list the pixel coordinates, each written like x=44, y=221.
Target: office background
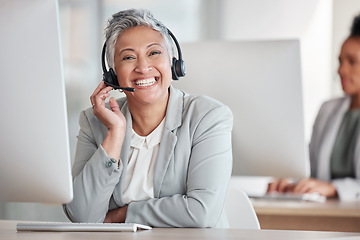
x=321, y=26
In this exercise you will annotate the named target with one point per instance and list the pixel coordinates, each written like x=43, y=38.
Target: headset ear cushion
x=178, y=69
x=107, y=77
x=114, y=80
x=173, y=69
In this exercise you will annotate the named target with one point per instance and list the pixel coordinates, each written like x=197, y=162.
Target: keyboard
x=313, y=197
x=80, y=227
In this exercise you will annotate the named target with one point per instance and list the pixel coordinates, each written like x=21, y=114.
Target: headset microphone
x=109, y=76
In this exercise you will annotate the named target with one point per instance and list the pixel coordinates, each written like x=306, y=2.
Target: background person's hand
x=281, y=185
x=311, y=185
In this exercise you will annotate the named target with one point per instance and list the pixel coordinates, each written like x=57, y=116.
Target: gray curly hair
x=126, y=19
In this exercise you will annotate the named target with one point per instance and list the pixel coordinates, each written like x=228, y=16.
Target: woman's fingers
x=305, y=185
x=312, y=185
x=96, y=91
x=112, y=118
x=279, y=185
x=99, y=99
x=284, y=185
x=100, y=94
x=114, y=106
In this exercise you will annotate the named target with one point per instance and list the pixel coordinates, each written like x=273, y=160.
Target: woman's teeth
x=145, y=82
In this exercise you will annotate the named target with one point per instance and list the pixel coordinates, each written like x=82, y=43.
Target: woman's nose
x=341, y=69
x=142, y=66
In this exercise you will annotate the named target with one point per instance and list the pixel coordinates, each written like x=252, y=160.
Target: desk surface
x=332, y=215
x=8, y=231
x=331, y=207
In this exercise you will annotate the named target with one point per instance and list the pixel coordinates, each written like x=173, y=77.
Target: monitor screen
x=34, y=155
x=261, y=82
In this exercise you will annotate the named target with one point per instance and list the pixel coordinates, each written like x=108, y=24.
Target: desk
x=333, y=215
x=8, y=231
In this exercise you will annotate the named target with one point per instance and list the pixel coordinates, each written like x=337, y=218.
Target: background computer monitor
x=261, y=82
x=34, y=155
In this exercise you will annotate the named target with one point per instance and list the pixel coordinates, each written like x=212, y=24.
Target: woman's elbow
x=82, y=216
x=204, y=217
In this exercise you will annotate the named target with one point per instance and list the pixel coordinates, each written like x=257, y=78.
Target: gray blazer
x=323, y=137
x=192, y=171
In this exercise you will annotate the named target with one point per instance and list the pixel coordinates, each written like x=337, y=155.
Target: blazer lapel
x=124, y=155
x=168, y=140
x=329, y=139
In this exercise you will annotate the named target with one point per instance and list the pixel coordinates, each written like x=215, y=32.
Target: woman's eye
x=128, y=58
x=154, y=53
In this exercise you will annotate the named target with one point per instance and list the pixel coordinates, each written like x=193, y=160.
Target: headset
x=178, y=68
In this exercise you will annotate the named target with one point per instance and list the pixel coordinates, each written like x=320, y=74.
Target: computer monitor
x=34, y=143
x=261, y=82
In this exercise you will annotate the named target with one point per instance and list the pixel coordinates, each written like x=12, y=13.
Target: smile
x=146, y=82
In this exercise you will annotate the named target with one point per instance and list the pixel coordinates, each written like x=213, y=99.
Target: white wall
x=307, y=20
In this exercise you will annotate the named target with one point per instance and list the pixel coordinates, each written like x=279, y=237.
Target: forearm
x=93, y=187
x=113, y=142
x=175, y=211
x=94, y=175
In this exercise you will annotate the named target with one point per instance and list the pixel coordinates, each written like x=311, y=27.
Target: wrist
x=112, y=143
x=122, y=213
x=118, y=128
x=334, y=192
x=119, y=215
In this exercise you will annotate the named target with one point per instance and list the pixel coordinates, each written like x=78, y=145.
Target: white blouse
x=139, y=180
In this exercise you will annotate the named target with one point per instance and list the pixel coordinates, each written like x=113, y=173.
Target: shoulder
x=336, y=101
x=201, y=112
x=202, y=105
x=330, y=111
x=335, y=104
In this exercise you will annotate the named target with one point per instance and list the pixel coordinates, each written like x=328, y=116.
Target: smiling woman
x=335, y=141
x=349, y=69
x=158, y=156
x=142, y=61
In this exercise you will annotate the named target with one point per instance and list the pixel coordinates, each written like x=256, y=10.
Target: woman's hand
x=281, y=185
x=307, y=185
x=116, y=215
x=112, y=118
x=311, y=185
